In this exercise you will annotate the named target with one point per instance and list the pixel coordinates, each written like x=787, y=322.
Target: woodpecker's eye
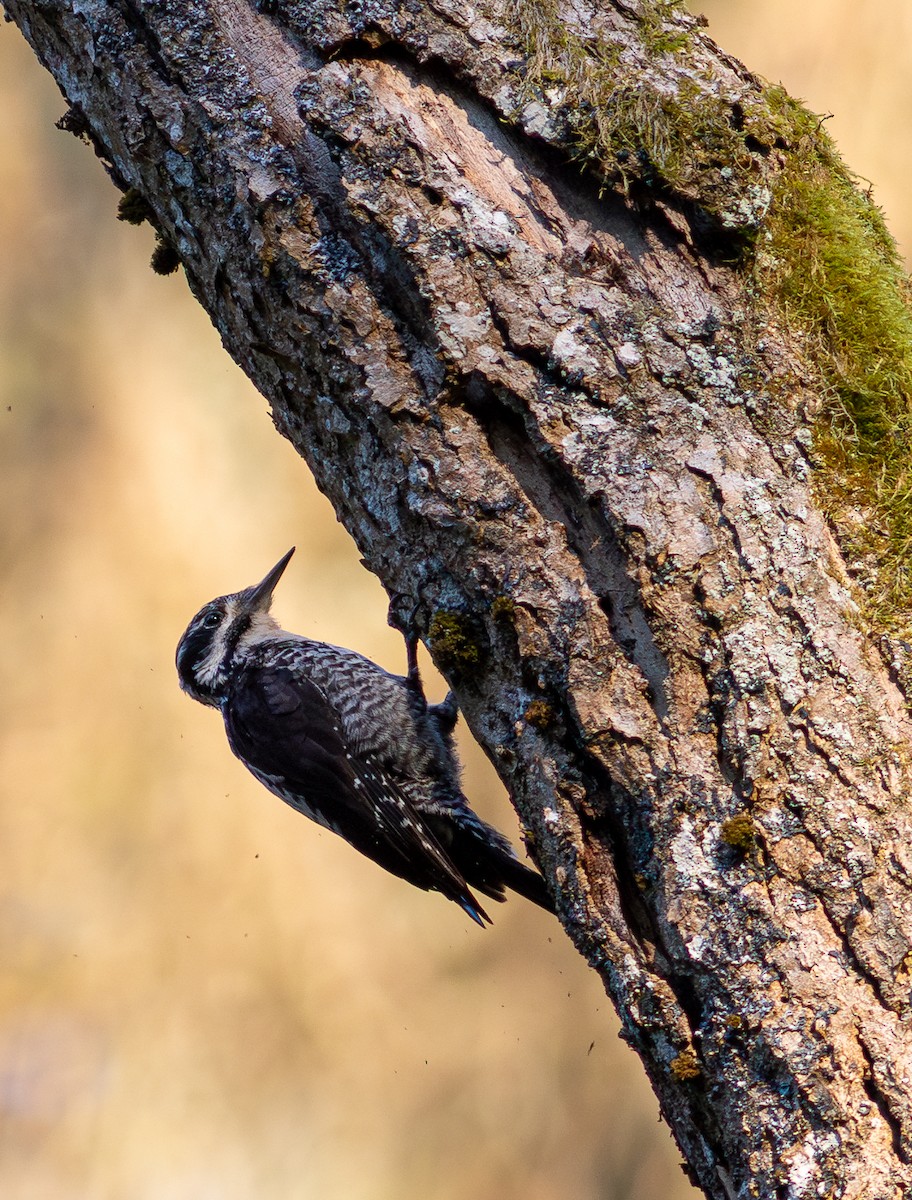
x=211, y=619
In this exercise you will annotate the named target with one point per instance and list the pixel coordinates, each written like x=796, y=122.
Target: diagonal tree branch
x=559, y=415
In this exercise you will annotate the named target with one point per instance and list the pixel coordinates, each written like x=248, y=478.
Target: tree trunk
x=562, y=424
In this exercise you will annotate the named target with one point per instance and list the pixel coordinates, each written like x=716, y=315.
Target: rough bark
x=545, y=415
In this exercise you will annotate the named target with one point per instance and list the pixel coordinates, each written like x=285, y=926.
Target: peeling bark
x=556, y=413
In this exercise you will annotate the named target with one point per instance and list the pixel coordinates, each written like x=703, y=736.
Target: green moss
x=454, y=644
x=685, y=1067
x=815, y=245
x=133, y=207
x=658, y=122
x=503, y=610
x=540, y=714
x=830, y=262
x=739, y=832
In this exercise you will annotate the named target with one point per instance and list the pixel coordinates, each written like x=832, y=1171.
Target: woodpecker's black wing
x=281, y=726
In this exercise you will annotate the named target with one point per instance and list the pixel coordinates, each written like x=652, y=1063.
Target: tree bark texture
x=546, y=416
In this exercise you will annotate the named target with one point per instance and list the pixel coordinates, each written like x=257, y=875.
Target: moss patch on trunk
x=764, y=173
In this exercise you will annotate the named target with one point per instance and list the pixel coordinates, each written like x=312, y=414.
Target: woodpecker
x=355, y=748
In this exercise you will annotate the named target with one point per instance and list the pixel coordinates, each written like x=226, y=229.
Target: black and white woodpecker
x=356, y=749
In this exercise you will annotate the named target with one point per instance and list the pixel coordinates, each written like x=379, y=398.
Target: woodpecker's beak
x=260, y=597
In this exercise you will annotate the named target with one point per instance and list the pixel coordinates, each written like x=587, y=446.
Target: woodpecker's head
x=220, y=632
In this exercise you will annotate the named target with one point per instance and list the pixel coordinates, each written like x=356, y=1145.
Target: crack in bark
x=840, y=933
x=146, y=36
x=882, y=1102
x=381, y=263
x=805, y=729
x=718, y=498
x=711, y=673
x=550, y=490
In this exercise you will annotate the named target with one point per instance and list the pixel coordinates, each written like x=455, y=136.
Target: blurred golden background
x=202, y=995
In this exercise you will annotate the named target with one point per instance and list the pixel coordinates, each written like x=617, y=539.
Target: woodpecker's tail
x=486, y=861
x=526, y=881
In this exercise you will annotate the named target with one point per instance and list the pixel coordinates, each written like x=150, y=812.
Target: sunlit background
x=201, y=994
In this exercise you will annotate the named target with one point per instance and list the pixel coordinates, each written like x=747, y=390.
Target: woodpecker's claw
x=403, y=609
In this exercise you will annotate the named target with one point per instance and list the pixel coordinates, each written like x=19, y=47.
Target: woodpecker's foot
x=446, y=713
x=403, y=609
x=402, y=618
x=413, y=675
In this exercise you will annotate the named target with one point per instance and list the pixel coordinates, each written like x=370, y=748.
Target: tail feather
x=488, y=864
x=527, y=882
x=470, y=905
